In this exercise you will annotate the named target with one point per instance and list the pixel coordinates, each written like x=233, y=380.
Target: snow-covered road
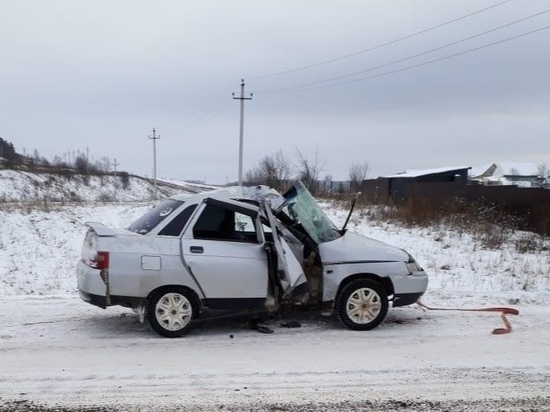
x=61, y=351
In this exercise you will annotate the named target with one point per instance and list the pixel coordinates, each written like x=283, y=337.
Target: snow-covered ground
x=40, y=246
x=57, y=350
x=460, y=267
x=60, y=351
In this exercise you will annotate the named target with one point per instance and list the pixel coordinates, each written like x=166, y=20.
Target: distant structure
x=517, y=189
x=399, y=186
x=508, y=174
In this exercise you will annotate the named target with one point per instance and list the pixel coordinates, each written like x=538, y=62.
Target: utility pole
x=155, y=138
x=88, y=159
x=115, y=164
x=242, y=99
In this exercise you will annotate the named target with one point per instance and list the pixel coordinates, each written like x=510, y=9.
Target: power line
x=388, y=43
x=201, y=116
x=209, y=115
x=417, y=65
x=372, y=68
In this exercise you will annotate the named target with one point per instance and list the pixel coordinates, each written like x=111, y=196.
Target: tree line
x=9, y=158
x=277, y=170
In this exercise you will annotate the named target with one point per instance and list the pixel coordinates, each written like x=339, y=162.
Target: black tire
x=171, y=310
x=362, y=304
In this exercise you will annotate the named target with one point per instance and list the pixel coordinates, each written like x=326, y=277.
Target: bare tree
x=104, y=164
x=272, y=170
x=544, y=174
x=327, y=184
x=309, y=171
x=81, y=163
x=542, y=170
x=357, y=173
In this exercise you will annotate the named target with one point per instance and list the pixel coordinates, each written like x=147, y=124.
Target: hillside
x=21, y=186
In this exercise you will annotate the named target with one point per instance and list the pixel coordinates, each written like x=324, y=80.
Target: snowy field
x=56, y=351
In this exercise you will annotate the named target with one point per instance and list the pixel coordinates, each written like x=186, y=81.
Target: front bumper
x=404, y=299
x=410, y=284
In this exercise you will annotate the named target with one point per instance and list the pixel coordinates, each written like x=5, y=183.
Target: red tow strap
x=503, y=312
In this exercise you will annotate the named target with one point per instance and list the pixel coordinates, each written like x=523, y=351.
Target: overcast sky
x=101, y=74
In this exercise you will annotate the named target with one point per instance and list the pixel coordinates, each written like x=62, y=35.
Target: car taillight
x=100, y=260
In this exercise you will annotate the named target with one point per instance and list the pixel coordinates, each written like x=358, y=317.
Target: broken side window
x=175, y=227
x=153, y=217
x=218, y=223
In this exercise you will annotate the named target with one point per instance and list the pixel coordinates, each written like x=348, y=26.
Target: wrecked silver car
x=243, y=249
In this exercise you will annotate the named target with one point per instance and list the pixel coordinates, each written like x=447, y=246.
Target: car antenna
x=353, y=202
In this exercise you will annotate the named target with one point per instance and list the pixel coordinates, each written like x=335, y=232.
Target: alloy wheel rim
x=173, y=311
x=363, y=306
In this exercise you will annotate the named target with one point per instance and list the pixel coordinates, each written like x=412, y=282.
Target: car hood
x=352, y=247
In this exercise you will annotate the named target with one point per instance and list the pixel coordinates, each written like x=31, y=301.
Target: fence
x=531, y=205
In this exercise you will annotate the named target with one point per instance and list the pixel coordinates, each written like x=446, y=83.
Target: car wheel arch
x=385, y=282
x=170, y=310
x=197, y=303
x=362, y=304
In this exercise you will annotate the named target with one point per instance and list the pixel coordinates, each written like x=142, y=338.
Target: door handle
x=196, y=249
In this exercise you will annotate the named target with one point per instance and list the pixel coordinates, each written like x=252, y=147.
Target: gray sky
x=101, y=74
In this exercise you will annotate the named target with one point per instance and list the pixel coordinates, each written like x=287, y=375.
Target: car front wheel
x=170, y=312
x=362, y=304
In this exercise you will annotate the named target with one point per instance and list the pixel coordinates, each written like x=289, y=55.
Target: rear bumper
x=89, y=280
x=100, y=301
x=93, y=290
x=95, y=300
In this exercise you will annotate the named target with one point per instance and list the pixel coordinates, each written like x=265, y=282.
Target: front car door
x=289, y=260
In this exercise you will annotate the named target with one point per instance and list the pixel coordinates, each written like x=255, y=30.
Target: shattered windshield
x=302, y=208
x=153, y=217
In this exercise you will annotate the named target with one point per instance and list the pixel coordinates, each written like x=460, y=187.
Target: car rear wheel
x=362, y=304
x=170, y=311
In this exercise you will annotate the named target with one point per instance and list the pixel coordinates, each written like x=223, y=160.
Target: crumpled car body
x=243, y=250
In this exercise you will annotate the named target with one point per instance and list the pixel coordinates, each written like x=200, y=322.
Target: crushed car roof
x=257, y=193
